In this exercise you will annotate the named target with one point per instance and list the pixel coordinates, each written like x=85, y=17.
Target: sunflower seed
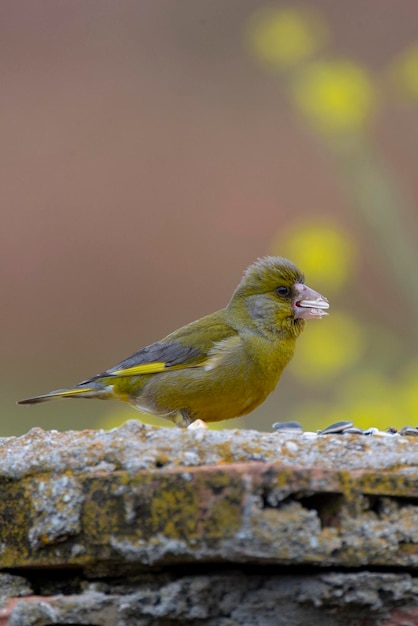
x=409, y=431
x=288, y=427
x=335, y=429
x=353, y=430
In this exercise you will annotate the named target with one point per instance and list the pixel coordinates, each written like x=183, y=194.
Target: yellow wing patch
x=150, y=368
x=66, y=393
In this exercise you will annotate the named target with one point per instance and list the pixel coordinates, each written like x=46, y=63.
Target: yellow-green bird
x=221, y=366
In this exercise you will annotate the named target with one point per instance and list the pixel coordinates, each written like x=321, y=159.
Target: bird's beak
x=309, y=304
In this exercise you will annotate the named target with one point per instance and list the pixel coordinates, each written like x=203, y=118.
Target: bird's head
x=273, y=293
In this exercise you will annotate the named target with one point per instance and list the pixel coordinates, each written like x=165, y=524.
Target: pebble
x=292, y=446
x=371, y=431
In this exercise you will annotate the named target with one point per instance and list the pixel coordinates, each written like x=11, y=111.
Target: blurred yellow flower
x=365, y=385
x=371, y=398
x=409, y=410
x=368, y=399
x=335, y=96
x=362, y=412
x=409, y=394
x=372, y=414
x=327, y=348
x=405, y=72
x=324, y=253
x=314, y=415
x=285, y=37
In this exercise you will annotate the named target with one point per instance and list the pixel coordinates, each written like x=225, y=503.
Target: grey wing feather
x=169, y=353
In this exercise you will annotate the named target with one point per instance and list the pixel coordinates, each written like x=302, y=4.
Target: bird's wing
x=190, y=346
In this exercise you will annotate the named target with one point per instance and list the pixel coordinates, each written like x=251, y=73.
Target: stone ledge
x=136, y=446
x=83, y=499
x=252, y=513
x=121, y=514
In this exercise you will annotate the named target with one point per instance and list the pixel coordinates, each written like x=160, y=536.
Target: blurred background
x=152, y=150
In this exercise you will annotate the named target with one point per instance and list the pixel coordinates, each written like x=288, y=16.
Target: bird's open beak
x=309, y=304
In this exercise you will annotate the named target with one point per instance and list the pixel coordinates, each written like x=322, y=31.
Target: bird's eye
x=283, y=291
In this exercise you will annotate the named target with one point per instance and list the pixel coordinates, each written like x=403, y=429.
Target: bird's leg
x=181, y=419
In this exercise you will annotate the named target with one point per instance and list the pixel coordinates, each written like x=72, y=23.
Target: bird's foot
x=197, y=424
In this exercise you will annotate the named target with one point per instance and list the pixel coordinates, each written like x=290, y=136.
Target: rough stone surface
x=136, y=446
x=142, y=526
x=14, y=586
x=140, y=496
x=230, y=598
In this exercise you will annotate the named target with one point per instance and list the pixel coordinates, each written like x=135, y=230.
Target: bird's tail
x=94, y=390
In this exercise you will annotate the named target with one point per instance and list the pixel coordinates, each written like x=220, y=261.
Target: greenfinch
x=221, y=366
